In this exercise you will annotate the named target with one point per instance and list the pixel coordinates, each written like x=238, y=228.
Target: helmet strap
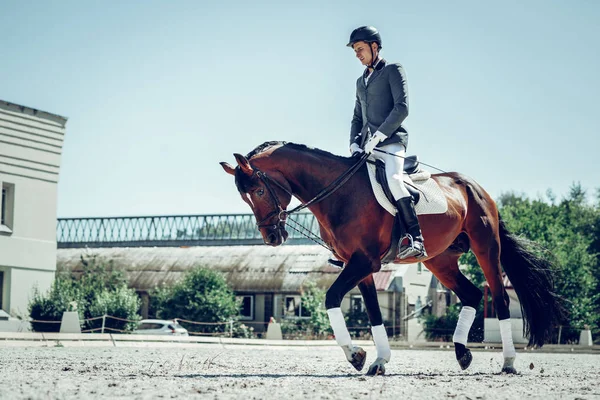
x=372, y=64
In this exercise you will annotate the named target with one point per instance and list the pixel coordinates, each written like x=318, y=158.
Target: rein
x=322, y=195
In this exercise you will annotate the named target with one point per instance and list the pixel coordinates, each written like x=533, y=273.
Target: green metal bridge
x=172, y=231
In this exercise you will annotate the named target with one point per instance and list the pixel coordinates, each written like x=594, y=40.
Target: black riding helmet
x=367, y=34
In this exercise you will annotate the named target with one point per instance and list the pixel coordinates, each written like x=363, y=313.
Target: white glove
x=355, y=148
x=374, y=141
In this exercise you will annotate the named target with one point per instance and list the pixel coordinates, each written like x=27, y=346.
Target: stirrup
x=415, y=248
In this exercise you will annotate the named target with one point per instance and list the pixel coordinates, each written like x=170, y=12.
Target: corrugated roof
x=246, y=268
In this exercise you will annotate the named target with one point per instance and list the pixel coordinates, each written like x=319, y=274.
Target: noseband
x=279, y=211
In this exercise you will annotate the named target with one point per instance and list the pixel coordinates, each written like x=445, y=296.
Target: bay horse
x=358, y=230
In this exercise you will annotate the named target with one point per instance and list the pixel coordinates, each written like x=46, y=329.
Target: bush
x=313, y=302
x=202, y=295
x=241, y=330
x=358, y=324
x=51, y=306
x=442, y=328
x=98, y=276
x=122, y=303
x=100, y=289
x=296, y=328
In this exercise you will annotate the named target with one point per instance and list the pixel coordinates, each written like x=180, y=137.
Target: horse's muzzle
x=276, y=237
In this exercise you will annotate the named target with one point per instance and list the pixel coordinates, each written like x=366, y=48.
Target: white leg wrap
x=508, y=348
x=336, y=319
x=465, y=320
x=381, y=342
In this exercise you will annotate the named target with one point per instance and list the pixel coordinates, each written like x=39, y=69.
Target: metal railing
x=171, y=230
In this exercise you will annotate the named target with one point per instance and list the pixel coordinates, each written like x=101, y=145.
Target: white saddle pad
x=432, y=199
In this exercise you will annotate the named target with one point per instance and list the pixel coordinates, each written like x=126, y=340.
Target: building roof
x=6, y=105
x=253, y=269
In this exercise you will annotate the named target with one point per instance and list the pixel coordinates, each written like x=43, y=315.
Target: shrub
x=313, y=301
x=358, y=324
x=296, y=328
x=442, y=328
x=122, y=303
x=51, y=306
x=202, y=295
x=99, y=290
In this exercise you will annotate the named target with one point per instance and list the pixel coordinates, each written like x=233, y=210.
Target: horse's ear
x=244, y=164
x=228, y=168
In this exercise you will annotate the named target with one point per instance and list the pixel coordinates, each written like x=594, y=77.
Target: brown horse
x=359, y=230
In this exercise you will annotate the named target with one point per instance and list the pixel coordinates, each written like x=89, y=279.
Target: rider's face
x=363, y=53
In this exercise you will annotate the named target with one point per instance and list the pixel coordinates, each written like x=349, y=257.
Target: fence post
x=230, y=328
x=559, y=333
x=103, y=322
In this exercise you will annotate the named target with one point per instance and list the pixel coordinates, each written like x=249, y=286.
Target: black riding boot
x=411, y=244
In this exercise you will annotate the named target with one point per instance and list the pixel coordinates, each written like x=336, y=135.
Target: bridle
x=279, y=211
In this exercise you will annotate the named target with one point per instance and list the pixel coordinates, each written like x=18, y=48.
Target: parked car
x=160, y=327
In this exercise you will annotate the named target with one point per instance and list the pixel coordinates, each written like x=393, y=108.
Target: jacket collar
x=378, y=67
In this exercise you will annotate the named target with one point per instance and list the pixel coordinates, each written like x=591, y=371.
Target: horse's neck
x=308, y=174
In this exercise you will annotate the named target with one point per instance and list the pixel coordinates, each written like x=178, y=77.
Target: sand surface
x=258, y=372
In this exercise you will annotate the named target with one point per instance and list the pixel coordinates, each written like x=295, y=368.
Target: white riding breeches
x=394, y=168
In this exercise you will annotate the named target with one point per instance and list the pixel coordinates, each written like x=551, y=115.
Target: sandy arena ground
x=258, y=372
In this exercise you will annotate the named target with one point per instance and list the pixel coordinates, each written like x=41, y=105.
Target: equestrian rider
x=381, y=107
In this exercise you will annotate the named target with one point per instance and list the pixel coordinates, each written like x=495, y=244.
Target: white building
x=31, y=144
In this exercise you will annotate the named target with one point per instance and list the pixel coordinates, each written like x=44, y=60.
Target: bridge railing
x=171, y=230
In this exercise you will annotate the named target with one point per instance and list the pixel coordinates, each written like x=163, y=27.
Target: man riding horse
x=381, y=107
x=358, y=229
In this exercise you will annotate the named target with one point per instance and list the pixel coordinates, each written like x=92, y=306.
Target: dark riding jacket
x=381, y=105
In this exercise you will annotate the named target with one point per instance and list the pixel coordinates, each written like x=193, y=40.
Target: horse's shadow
x=332, y=376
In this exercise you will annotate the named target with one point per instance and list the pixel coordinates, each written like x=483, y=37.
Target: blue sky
x=157, y=93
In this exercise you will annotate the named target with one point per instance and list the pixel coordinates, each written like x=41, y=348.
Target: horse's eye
x=260, y=192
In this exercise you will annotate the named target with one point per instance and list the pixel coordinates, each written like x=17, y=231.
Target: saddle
x=426, y=194
x=411, y=167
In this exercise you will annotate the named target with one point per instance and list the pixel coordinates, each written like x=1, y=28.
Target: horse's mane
x=262, y=148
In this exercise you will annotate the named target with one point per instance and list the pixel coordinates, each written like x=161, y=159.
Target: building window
x=1, y=287
x=7, y=207
x=356, y=303
x=419, y=268
x=246, y=307
x=3, y=209
x=293, y=307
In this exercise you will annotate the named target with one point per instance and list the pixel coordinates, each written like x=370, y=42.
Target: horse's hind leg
x=369, y=294
x=445, y=268
x=482, y=228
x=357, y=268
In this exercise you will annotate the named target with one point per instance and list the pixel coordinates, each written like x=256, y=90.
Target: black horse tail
x=531, y=275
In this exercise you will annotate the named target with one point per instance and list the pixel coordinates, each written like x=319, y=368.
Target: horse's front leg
x=369, y=293
x=357, y=268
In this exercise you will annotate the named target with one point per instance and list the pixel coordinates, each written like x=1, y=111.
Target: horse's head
x=267, y=193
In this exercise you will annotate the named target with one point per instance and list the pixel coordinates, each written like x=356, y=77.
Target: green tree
x=313, y=301
x=569, y=231
x=203, y=296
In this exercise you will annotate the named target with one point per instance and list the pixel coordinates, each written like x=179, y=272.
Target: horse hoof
x=508, y=367
x=358, y=359
x=377, y=368
x=509, y=370
x=465, y=360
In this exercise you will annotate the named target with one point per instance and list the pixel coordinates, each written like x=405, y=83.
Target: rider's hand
x=355, y=149
x=374, y=141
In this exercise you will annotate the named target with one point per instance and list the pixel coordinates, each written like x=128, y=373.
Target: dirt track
x=214, y=372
